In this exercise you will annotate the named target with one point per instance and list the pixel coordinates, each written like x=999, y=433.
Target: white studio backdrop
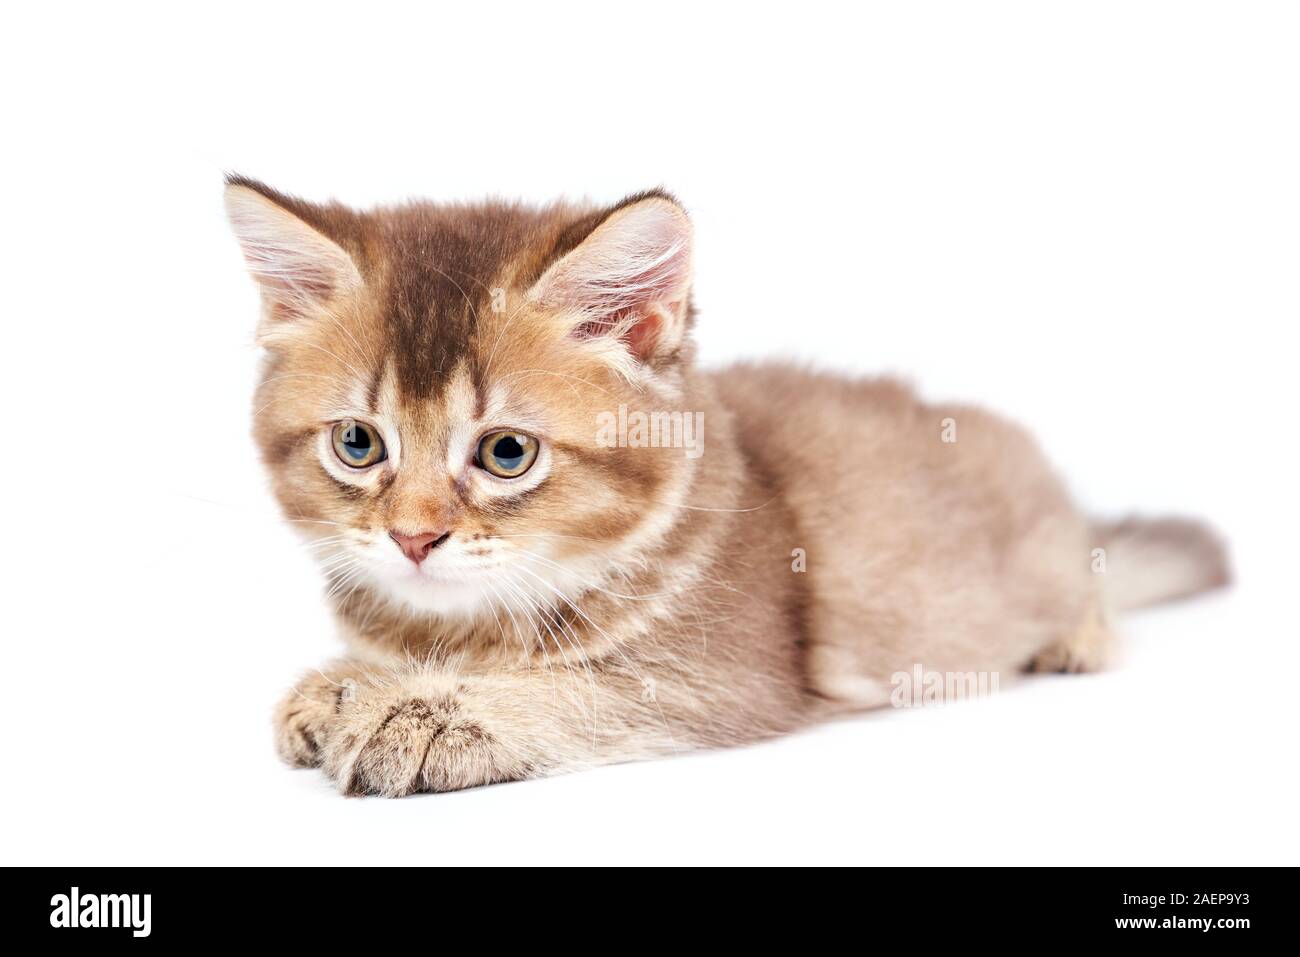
x=1082, y=215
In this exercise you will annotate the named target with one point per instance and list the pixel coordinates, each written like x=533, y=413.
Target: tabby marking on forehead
x=432, y=325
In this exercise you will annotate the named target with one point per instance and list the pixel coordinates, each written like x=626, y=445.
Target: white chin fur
x=424, y=594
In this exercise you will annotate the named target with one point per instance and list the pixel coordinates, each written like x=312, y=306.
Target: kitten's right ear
x=297, y=267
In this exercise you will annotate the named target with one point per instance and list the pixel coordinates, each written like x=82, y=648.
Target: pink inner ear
x=629, y=278
x=296, y=266
x=640, y=331
x=643, y=336
x=292, y=281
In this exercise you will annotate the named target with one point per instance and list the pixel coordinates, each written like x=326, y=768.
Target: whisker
x=588, y=583
x=613, y=643
x=706, y=508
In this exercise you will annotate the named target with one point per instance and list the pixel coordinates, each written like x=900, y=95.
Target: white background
x=1084, y=215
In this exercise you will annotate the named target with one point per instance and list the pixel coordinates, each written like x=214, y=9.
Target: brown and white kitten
x=521, y=595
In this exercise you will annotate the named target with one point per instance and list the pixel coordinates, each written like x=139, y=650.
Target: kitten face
x=435, y=377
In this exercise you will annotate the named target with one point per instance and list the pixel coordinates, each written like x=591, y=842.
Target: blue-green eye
x=357, y=445
x=507, y=454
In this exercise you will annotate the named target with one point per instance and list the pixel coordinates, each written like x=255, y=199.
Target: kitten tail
x=1151, y=561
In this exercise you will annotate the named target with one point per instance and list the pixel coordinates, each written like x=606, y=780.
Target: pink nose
x=416, y=547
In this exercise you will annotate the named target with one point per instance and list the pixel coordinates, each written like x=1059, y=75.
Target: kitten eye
x=507, y=454
x=357, y=445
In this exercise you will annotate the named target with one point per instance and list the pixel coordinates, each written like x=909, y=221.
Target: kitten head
x=437, y=381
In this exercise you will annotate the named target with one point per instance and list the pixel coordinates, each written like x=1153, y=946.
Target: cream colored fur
x=624, y=603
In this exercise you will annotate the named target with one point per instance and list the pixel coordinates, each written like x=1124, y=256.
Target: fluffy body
x=616, y=603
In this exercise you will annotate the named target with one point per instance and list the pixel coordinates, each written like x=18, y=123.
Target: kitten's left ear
x=629, y=279
x=296, y=265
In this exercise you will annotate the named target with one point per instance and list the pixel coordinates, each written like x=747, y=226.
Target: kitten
x=552, y=542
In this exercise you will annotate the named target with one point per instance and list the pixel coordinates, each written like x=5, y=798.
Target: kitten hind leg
x=1090, y=647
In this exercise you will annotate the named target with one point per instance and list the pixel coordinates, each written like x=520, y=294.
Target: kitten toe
x=417, y=744
x=296, y=743
x=300, y=728
x=1088, y=649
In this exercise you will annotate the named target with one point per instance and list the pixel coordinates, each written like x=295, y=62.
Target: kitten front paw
x=303, y=718
x=394, y=743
